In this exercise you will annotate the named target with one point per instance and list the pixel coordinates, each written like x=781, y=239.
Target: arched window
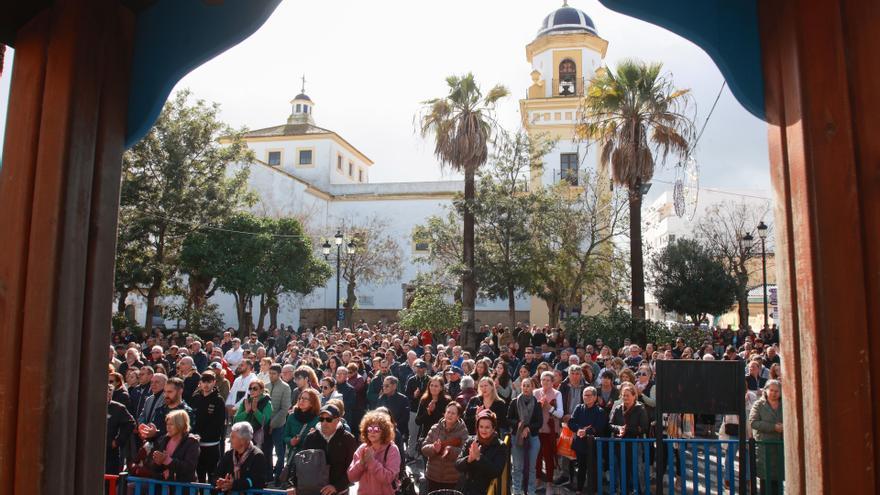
x=567, y=77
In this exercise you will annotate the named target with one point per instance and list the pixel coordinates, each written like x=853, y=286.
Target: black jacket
x=636, y=420
x=499, y=407
x=479, y=474
x=183, y=461
x=414, y=383
x=190, y=385
x=253, y=471
x=399, y=407
x=534, y=423
x=210, y=413
x=120, y=424
x=339, y=452
x=349, y=399
x=163, y=410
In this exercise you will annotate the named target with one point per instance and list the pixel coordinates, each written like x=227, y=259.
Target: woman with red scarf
x=550, y=401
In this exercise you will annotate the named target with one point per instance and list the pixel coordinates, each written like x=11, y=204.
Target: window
x=350, y=169
x=339, y=162
x=365, y=300
x=274, y=158
x=567, y=78
x=360, y=175
x=568, y=168
x=671, y=238
x=298, y=107
x=305, y=157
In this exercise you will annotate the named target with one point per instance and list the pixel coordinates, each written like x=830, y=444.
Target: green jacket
x=258, y=418
x=297, y=428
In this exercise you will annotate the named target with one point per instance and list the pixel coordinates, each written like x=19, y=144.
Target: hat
x=485, y=348
x=455, y=369
x=420, y=364
x=216, y=365
x=329, y=409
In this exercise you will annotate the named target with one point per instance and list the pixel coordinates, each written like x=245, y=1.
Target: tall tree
x=721, y=231
x=689, y=280
x=462, y=124
x=443, y=235
x=573, y=234
x=252, y=257
x=174, y=180
x=502, y=213
x=636, y=116
x=376, y=257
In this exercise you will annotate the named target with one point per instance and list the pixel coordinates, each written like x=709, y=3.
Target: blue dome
x=567, y=19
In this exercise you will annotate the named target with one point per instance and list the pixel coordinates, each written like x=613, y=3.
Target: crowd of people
x=362, y=403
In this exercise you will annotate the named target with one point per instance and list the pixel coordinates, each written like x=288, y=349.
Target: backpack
x=312, y=471
x=404, y=484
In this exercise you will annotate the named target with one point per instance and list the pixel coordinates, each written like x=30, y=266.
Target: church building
x=312, y=173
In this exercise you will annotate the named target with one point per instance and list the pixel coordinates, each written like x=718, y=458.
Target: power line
x=219, y=229
x=706, y=122
x=721, y=191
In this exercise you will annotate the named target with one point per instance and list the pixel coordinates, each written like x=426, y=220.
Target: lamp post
x=338, y=239
x=762, y=233
x=748, y=240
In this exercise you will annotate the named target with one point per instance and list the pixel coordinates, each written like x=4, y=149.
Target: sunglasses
x=325, y=387
x=641, y=373
x=373, y=429
x=325, y=419
x=254, y=388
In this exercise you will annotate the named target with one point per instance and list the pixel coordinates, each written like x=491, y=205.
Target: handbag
x=563, y=445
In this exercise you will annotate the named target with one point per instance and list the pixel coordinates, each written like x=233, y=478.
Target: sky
x=368, y=65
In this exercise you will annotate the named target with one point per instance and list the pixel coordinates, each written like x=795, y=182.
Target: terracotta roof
x=287, y=130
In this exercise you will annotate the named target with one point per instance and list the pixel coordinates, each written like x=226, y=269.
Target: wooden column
x=823, y=107
x=59, y=195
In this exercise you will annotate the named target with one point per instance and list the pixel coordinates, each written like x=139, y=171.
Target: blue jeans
x=524, y=458
x=280, y=450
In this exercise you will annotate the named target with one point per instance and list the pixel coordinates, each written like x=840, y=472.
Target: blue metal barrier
x=702, y=463
x=147, y=486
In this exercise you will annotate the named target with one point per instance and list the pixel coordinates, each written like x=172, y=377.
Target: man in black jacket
x=210, y=413
x=338, y=446
x=251, y=463
x=120, y=424
x=415, y=388
x=349, y=395
x=397, y=404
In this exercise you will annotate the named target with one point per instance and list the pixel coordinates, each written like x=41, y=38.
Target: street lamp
x=325, y=248
x=762, y=233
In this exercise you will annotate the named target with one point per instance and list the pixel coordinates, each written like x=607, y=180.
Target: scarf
x=525, y=406
x=303, y=416
x=238, y=460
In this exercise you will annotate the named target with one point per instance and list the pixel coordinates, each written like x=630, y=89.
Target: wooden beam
x=824, y=170
x=61, y=173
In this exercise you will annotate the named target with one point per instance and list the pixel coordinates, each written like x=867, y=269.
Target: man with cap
x=415, y=387
x=338, y=446
x=453, y=380
x=210, y=415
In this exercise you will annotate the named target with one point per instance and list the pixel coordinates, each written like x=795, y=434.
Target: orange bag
x=563, y=445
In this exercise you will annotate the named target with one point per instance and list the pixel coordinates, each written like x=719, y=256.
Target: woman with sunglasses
x=302, y=419
x=376, y=463
x=256, y=409
x=483, y=456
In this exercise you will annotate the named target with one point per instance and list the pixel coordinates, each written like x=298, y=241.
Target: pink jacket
x=379, y=475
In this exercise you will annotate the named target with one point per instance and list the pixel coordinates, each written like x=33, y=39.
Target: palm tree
x=636, y=116
x=462, y=123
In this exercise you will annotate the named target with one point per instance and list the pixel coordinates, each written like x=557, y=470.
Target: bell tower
x=565, y=55
x=301, y=107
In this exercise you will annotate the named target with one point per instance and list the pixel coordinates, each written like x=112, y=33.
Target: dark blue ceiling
x=726, y=29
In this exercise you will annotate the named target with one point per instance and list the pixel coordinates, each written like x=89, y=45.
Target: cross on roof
x=303, y=90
